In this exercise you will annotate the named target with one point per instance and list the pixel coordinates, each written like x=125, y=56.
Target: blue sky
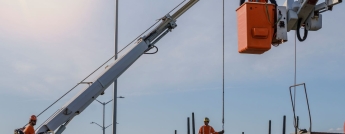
x=49, y=46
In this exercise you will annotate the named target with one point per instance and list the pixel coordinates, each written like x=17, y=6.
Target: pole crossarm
x=108, y=126
x=97, y=124
x=108, y=102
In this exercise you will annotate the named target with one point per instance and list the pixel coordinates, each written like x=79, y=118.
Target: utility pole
x=115, y=82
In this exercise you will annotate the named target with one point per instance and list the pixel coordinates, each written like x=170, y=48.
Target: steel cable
x=223, y=62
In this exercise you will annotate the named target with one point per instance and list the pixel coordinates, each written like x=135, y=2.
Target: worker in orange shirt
x=29, y=129
x=207, y=129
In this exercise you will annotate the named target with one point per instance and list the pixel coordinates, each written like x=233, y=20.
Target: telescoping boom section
x=58, y=121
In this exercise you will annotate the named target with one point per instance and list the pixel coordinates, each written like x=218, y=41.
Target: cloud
x=336, y=129
x=23, y=67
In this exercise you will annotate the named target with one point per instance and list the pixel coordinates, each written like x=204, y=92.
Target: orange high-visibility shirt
x=207, y=130
x=29, y=129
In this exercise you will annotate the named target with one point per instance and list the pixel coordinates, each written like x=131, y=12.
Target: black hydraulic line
x=298, y=31
x=241, y=2
x=269, y=127
x=274, y=2
x=193, y=123
x=146, y=52
x=188, y=126
x=284, y=124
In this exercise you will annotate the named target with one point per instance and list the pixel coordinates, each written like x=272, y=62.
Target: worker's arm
x=212, y=131
x=29, y=130
x=200, y=130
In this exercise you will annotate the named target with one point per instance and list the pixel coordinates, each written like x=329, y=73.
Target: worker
x=272, y=1
x=207, y=129
x=29, y=129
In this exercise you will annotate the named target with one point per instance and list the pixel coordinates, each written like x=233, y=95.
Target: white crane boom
x=76, y=105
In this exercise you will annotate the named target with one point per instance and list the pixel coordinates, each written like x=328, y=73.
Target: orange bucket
x=255, y=23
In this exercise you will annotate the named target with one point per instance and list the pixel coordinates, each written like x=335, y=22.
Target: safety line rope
x=223, y=63
x=295, y=78
x=177, y=6
x=104, y=63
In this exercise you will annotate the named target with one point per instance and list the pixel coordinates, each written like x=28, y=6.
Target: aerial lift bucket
x=255, y=23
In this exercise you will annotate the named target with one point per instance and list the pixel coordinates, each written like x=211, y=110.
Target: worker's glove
x=221, y=132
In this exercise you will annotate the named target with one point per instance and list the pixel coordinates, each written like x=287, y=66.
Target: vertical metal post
x=284, y=124
x=175, y=131
x=193, y=123
x=115, y=82
x=103, y=117
x=269, y=127
x=188, y=126
x=242, y=132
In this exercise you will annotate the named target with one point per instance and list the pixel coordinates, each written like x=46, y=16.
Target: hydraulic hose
x=298, y=32
x=274, y=2
x=241, y=2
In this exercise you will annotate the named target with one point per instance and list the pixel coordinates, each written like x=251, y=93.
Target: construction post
x=284, y=124
x=193, y=123
x=188, y=126
x=269, y=127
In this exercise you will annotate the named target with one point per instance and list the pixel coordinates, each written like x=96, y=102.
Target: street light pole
x=115, y=82
x=105, y=103
x=103, y=117
x=103, y=128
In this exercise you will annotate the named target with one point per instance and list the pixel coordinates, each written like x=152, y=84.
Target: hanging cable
x=177, y=6
x=223, y=64
x=295, y=77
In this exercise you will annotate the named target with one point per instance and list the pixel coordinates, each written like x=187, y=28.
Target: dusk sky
x=47, y=47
